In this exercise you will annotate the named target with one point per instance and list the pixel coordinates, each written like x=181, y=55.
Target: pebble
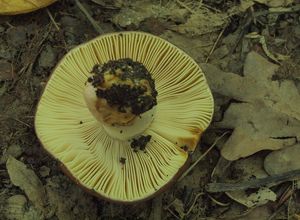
x=6, y=70
x=16, y=36
x=13, y=150
x=2, y=29
x=48, y=57
x=220, y=52
x=281, y=161
x=44, y=171
x=297, y=31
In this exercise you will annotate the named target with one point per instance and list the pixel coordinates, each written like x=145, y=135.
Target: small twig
x=220, y=169
x=279, y=10
x=218, y=202
x=211, y=8
x=215, y=44
x=202, y=156
x=275, y=213
x=172, y=213
x=185, y=6
x=156, y=213
x=9, y=24
x=256, y=183
x=194, y=202
x=290, y=196
x=254, y=15
x=18, y=120
x=52, y=20
x=24, y=123
x=89, y=17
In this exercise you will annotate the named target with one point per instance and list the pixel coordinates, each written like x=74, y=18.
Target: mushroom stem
x=108, y=117
x=121, y=95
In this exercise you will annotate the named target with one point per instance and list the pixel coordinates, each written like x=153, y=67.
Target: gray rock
x=5, y=51
x=297, y=31
x=44, y=171
x=282, y=161
x=48, y=57
x=2, y=29
x=13, y=150
x=16, y=36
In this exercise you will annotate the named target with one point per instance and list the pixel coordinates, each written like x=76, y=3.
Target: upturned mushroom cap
x=13, y=7
x=106, y=164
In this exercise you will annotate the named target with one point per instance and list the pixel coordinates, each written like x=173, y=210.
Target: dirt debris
x=268, y=114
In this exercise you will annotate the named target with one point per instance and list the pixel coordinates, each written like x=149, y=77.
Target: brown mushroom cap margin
x=191, y=139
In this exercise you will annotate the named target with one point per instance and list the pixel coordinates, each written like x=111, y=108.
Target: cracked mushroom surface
x=122, y=113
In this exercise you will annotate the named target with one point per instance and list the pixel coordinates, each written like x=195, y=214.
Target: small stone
x=220, y=52
x=6, y=52
x=6, y=70
x=44, y=171
x=281, y=161
x=48, y=57
x=16, y=36
x=14, y=150
x=69, y=21
x=2, y=29
x=297, y=31
x=76, y=210
x=19, y=200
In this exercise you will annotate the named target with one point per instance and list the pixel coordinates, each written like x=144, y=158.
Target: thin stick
x=28, y=125
x=218, y=202
x=185, y=6
x=215, y=44
x=202, y=156
x=194, y=202
x=211, y=8
x=279, y=10
x=89, y=17
x=52, y=20
x=156, y=213
x=173, y=213
x=256, y=183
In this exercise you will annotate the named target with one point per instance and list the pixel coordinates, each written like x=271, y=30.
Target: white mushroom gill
x=69, y=132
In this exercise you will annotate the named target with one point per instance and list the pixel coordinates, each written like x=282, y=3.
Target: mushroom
x=122, y=113
x=14, y=7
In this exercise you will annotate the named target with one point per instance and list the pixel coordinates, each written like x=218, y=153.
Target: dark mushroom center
x=126, y=85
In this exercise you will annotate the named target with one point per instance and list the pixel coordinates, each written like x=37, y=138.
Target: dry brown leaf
x=203, y=21
x=138, y=11
x=285, y=160
x=28, y=181
x=269, y=115
x=13, y=7
x=247, y=169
